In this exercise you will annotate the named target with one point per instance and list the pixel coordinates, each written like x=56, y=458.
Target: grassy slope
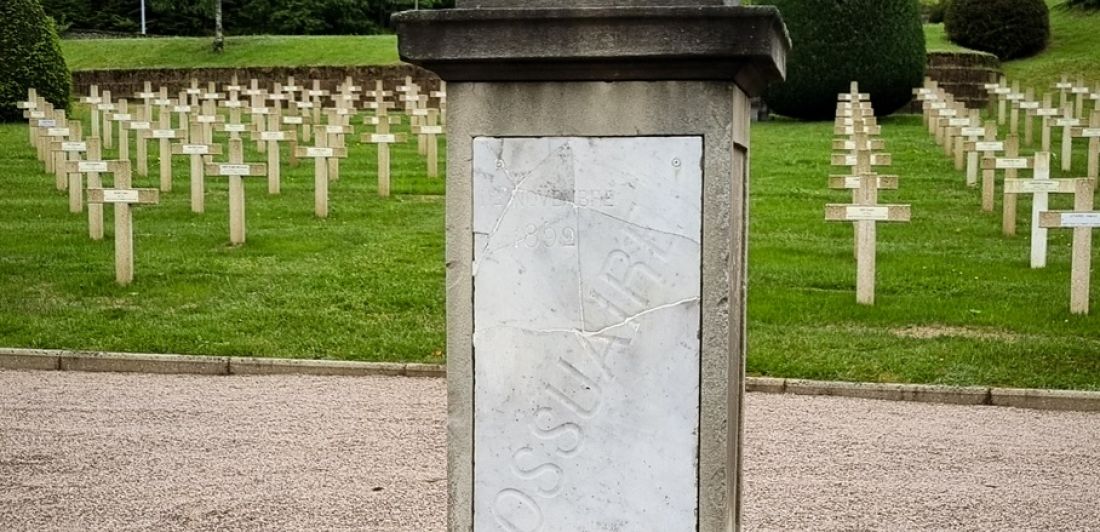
x=89, y=54
x=1073, y=50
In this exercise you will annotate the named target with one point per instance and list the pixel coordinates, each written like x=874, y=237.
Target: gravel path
x=96, y=451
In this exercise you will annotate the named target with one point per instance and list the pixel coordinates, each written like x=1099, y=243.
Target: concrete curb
x=47, y=359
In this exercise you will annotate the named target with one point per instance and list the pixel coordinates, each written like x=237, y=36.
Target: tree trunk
x=219, y=36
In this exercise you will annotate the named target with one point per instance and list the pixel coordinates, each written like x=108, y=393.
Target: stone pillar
x=596, y=256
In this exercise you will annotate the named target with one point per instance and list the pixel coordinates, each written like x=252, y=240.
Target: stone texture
x=746, y=44
x=144, y=363
x=277, y=366
x=586, y=340
x=543, y=4
x=704, y=109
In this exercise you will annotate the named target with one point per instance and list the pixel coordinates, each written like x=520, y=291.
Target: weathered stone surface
x=538, y=4
x=745, y=44
x=586, y=340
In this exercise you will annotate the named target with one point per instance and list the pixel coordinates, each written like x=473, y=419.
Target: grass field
x=260, y=50
x=957, y=302
x=1073, y=49
x=364, y=284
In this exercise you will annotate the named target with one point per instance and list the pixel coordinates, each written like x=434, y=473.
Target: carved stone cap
x=747, y=45
x=527, y=4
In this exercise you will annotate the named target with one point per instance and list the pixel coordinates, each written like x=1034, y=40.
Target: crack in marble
x=583, y=333
x=642, y=226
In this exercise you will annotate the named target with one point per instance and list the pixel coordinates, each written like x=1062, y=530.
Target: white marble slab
x=586, y=333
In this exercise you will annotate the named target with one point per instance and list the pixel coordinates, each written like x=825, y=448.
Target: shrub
x=30, y=55
x=879, y=43
x=1085, y=4
x=1009, y=29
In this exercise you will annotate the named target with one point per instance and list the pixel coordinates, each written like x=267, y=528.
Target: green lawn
x=262, y=50
x=957, y=302
x=1074, y=49
x=935, y=39
x=365, y=284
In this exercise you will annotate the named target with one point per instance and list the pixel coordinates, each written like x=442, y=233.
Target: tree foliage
x=1010, y=29
x=879, y=43
x=30, y=53
x=242, y=17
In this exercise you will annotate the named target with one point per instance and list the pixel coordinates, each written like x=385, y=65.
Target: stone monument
x=596, y=221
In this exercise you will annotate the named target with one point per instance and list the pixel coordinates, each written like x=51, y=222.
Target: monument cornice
x=747, y=45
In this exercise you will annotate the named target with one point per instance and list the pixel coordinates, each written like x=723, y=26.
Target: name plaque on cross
x=121, y=196
x=91, y=166
x=234, y=169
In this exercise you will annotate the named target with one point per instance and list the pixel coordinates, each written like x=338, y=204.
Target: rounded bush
x=1009, y=29
x=30, y=56
x=879, y=43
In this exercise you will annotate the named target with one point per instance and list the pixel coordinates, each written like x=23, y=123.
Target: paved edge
x=48, y=359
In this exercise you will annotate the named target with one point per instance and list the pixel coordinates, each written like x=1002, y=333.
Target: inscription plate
x=587, y=263
x=1081, y=219
x=120, y=196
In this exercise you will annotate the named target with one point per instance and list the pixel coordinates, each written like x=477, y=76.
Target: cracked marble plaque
x=586, y=333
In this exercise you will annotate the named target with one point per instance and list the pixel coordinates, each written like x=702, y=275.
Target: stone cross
x=183, y=111
x=123, y=197
x=1067, y=122
x=337, y=129
x=431, y=131
x=146, y=96
x=236, y=170
x=952, y=132
x=1092, y=132
x=1083, y=219
x=123, y=117
x=1014, y=98
x=141, y=127
x=1011, y=163
x=1002, y=92
x=54, y=159
x=383, y=141
x=441, y=102
x=197, y=150
x=164, y=134
x=1064, y=88
x=93, y=100
x=69, y=151
x=272, y=135
x=1029, y=106
x=92, y=167
x=988, y=149
x=1080, y=91
x=638, y=218
x=107, y=107
x=1047, y=113
x=1040, y=186
x=321, y=153
x=965, y=158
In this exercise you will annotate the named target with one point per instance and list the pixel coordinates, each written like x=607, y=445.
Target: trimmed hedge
x=1010, y=29
x=879, y=43
x=30, y=56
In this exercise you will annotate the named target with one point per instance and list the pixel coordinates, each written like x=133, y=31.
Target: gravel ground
x=97, y=451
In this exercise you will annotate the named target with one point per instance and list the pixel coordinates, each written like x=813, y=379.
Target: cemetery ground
x=122, y=451
x=957, y=302
x=242, y=51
